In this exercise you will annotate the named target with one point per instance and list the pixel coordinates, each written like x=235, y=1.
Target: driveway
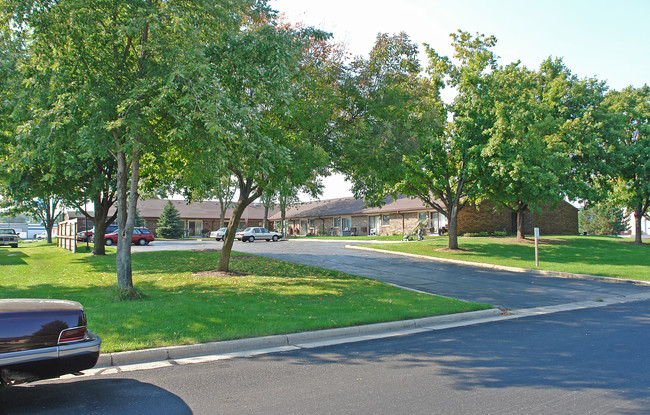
x=510, y=290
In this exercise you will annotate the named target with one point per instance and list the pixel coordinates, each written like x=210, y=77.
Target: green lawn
x=181, y=307
x=351, y=238
x=594, y=255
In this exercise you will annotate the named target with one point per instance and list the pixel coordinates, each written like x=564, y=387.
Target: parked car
x=141, y=236
x=9, y=237
x=41, y=339
x=87, y=236
x=221, y=233
x=250, y=234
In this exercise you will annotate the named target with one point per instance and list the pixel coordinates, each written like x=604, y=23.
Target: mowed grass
x=352, y=238
x=183, y=307
x=593, y=255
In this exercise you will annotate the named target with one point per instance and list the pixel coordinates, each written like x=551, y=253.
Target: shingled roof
x=151, y=208
x=349, y=206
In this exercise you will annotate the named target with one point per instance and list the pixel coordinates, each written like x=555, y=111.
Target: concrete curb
x=283, y=340
x=545, y=273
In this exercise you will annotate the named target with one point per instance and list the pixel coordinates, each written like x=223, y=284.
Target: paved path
x=511, y=290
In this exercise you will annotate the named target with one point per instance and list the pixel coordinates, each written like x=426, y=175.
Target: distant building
x=198, y=218
x=348, y=216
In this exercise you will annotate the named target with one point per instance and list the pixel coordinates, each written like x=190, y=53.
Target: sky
x=608, y=40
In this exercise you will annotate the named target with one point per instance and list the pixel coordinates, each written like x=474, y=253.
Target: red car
x=141, y=236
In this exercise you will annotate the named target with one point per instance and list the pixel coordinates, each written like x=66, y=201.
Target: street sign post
x=537, y=247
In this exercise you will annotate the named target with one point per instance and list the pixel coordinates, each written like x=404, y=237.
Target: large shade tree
x=248, y=107
x=631, y=152
x=399, y=135
x=114, y=63
x=46, y=145
x=545, y=129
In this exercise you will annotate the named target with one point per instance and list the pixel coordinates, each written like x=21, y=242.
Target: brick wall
x=558, y=220
x=361, y=223
x=561, y=219
x=483, y=218
x=400, y=223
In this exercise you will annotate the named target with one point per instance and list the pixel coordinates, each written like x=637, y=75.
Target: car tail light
x=72, y=335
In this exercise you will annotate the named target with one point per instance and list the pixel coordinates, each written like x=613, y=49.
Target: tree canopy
x=630, y=153
x=111, y=70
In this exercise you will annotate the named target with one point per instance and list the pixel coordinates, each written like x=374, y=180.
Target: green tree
x=248, y=111
x=530, y=162
x=630, y=153
x=45, y=145
x=170, y=225
x=401, y=137
x=139, y=220
x=603, y=219
x=110, y=66
x=47, y=210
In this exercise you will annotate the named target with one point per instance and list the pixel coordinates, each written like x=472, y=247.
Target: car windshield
x=7, y=231
x=222, y=229
x=248, y=230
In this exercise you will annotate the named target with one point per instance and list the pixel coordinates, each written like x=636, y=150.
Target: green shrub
x=169, y=223
x=603, y=219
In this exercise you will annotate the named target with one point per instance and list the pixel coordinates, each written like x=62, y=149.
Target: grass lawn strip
x=592, y=255
x=185, y=303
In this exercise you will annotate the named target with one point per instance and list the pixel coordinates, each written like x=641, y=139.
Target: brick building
x=348, y=216
x=560, y=219
x=198, y=218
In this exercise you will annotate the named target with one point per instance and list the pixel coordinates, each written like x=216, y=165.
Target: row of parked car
x=248, y=234
x=141, y=236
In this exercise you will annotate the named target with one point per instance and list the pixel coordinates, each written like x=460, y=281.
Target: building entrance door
x=373, y=225
x=194, y=228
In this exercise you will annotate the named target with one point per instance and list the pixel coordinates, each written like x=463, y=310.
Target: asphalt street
x=590, y=361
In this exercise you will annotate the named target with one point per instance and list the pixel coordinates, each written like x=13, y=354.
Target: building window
x=385, y=220
x=346, y=224
x=337, y=222
x=422, y=217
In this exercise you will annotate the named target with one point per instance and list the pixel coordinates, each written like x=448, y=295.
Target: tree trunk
x=99, y=222
x=99, y=247
x=520, y=225
x=522, y=208
x=50, y=218
x=238, y=211
x=224, y=259
x=49, y=222
x=126, y=210
x=222, y=213
x=638, y=216
x=266, y=216
x=452, y=230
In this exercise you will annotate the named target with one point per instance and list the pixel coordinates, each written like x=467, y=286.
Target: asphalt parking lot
x=505, y=289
